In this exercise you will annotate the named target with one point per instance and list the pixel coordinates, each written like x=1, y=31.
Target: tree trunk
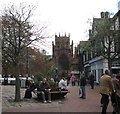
x=110, y=65
x=17, y=86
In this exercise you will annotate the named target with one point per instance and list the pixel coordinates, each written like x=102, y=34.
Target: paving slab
x=71, y=103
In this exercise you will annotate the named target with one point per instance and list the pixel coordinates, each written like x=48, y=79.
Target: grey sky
x=70, y=16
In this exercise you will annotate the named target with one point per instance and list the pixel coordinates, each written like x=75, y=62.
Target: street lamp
x=56, y=71
x=27, y=61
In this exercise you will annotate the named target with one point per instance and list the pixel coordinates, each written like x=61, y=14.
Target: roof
x=83, y=45
x=116, y=15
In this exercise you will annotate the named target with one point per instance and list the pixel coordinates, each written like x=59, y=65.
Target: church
x=65, y=56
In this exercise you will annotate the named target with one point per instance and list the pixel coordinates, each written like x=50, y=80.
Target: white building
x=93, y=61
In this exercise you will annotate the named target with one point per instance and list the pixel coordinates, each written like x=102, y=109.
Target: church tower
x=62, y=52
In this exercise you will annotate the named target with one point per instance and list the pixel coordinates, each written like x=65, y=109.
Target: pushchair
x=115, y=99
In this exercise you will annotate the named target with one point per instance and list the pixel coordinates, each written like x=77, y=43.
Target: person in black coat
x=30, y=88
x=82, y=86
x=92, y=78
x=44, y=90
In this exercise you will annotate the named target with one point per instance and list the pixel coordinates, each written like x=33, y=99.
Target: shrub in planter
x=52, y=84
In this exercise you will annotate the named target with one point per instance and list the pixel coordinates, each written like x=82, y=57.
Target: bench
x=56, y=93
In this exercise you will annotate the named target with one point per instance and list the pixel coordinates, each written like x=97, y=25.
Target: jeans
x=83, y=90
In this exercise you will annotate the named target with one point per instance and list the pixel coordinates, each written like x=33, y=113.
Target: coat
x=43, y=86
x=91, y=78
x=83, y=81
x=72, y=78
x=62, y=84
x=106, y=85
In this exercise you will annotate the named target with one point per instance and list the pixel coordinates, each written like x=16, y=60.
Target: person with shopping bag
x=82, y=89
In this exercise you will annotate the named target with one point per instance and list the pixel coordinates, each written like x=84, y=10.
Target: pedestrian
x=115, y=97
x=44, y=90
x=68, y=79
x=78, y=80
x=5, y=80
x=27, y=82
x=101, y=100
x=56, y=79
x=62, y=83
x=30, y=89
x=72, y=79
x=106, y=89
x=92, y=79
x=82, y=86
x=115, y=83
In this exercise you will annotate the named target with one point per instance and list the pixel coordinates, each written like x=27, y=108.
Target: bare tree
x=18, y=33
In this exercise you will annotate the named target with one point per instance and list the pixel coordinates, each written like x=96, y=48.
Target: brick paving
x=71, y=103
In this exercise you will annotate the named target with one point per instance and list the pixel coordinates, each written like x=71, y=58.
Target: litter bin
x=22, y=83
x=12, y=82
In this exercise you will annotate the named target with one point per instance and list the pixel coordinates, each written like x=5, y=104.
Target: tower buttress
x=72, y=49
x=53, y=48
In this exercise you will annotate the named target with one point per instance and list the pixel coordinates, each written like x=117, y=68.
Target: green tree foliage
x=38, y=77
x=105, y=40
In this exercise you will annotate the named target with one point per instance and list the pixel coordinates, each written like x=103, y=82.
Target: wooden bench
x=56, y=93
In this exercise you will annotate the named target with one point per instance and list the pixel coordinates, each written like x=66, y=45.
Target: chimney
x=106, y=14
x=90, y=32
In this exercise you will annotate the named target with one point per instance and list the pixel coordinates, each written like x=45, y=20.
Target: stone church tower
x=62, y=52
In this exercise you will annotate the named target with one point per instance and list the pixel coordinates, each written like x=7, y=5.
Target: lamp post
x=56, y=76
x=56, y=71
x=79, y=66
x=27, y=62
x=79, y=59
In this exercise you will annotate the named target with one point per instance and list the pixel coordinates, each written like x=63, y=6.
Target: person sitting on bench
x=63, y=84
x=30, y=88
x=44, y=90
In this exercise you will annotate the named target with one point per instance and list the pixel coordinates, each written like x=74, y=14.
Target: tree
x=40, y=64
x=18, y=33
x=105, y=40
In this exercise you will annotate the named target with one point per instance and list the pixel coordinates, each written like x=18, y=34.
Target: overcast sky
x=70, y=16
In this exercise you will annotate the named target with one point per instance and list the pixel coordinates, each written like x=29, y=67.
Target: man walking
x=106, y=89
x=82, y=86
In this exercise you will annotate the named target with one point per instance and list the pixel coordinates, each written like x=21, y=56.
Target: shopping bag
x=79, y=91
